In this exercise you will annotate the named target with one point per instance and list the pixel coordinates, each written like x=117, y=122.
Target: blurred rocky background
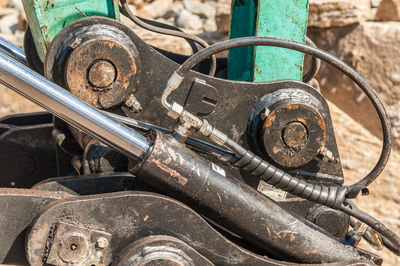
x=363, y=33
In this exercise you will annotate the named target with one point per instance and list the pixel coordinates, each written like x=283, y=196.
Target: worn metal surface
x=177, y=171
x=160, y=250
x=18, y=208
x=234, y=104
x=130, y=216
x=241, y=60
x=92, y=184
x=97, y=63
x=287, y=126
x=283, y=19
x=69, y=108
x=76, y=245
x=30, y=150
x=49, y=17
x=271, y=18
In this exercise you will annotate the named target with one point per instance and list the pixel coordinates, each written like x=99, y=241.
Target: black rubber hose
x=172, y=32
x=315, y=65
x=331, y=196
x=391, y=240
x=330, y=59
x=385, y=242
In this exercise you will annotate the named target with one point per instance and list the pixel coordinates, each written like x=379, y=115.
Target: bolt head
x=102, y=74
x=295, y=135
x=102, y=243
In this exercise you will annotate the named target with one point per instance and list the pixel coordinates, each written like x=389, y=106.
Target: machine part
x=315, y=66
x=208, y=95
x=270, y=18
x=19, y=207
x=98, y=64
x=257, y=87
x=200, y=145
x=46, y=19
x=99, y=158
x=77, y=245
x=156, y=70
x=333, y=221
x=70, y=109
x=13, y=51
x=178, y=76
x=329, y=196
x=142, y=214
x=287, y=126
x=133, y=104
x=30, y=155
x=161, y=250
x=174, y=169
x=172, y=32
x=32, y=59
x=92, y=184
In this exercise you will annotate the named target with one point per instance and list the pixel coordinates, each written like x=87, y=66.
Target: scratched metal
x=177, y=171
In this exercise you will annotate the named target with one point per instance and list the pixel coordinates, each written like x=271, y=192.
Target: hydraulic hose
x=172, y=32
x=334, y=197
x=328, y=58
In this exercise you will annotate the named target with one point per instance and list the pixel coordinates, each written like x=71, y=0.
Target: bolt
x=133, y=104
x=75, y=43
x=295, y=135
x=327, y=155
x=102, y=243
x=102, y=74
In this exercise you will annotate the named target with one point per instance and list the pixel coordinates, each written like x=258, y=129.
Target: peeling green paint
x=48, y=17
x=274, y=18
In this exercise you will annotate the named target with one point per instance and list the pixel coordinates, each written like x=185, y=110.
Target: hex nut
x=176, y=111
x=102, y=243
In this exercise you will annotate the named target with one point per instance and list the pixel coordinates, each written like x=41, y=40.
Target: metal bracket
x=48, y=18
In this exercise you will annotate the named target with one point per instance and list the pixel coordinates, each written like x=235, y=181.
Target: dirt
x=359, y=150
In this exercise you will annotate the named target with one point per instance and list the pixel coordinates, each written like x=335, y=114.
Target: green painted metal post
x=47, y=18
x=273, y=18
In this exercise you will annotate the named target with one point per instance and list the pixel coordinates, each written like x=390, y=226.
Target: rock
x=155, y=9
x=7, y=11
x=9, y=23
x=17, y=4
x=388, y=10
x=188, y=20
x=337, y=13
x=375, y=3
x=359, y=151
x=174, y=10
x=372, y=48
x=4, y=3
x=210, y=25
x=203, y=9
x=223, y=15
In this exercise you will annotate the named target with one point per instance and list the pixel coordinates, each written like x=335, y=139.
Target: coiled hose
x=334, y=197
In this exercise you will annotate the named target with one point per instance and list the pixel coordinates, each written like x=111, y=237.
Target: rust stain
x=178, y=177
x=135, y=212
x=311, y=252
x=321, y=124
x=292, y=107
x=302, y=120
x=271, y=118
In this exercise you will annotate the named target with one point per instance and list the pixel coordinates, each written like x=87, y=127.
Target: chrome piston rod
x=12, y=50
x=72, y=110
